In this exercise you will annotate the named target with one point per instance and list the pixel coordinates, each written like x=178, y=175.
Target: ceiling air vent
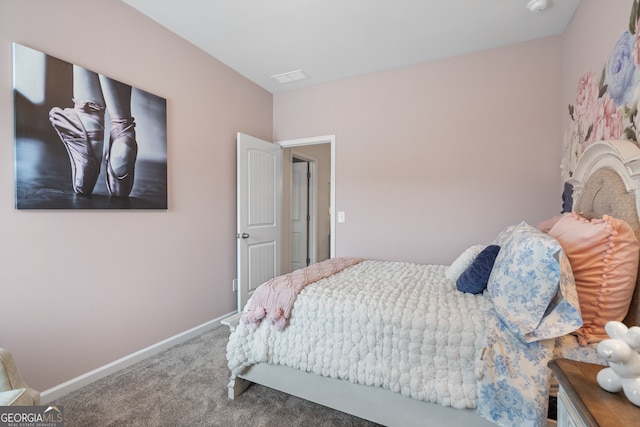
x=290, y=76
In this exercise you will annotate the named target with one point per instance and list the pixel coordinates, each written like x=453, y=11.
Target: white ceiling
x=335, y=39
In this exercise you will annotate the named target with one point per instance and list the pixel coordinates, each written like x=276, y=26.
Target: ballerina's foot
x=68, y=124
x=121, y=158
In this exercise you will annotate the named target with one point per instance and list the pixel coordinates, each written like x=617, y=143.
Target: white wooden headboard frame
x=620, y=155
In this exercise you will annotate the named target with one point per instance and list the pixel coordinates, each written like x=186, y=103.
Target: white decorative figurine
x=621, y=351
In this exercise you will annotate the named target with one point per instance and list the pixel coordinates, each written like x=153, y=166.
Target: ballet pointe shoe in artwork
x=69, y=123
x=121, y=157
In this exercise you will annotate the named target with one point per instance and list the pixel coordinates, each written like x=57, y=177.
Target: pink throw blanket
x=274, y=299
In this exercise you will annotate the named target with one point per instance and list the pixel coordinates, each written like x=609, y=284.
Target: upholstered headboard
x=607, y=181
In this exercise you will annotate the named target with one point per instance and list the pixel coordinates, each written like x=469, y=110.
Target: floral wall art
x=607, y=102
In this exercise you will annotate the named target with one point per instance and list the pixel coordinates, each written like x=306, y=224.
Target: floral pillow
x=532, y=287
x=604, y=257
x=504, y=235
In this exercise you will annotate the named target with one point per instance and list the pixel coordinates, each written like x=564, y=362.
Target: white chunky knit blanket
x=396, y=325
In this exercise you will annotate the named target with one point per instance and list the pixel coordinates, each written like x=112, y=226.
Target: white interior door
x=300, y=216
x=259, y=212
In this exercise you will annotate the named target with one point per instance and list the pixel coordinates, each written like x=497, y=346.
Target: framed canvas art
x=84, y=140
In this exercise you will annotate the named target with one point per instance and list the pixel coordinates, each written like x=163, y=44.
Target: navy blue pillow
x=474, y=279
x=567, y=198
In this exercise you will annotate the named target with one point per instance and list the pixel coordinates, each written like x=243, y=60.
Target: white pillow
x=461, y=263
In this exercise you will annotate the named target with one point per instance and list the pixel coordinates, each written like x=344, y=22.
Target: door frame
x=315, y=140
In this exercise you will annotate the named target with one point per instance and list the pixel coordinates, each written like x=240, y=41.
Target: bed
x=398, y=344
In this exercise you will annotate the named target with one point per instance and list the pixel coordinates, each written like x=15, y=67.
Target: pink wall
x=81, y=289
x=435, y=157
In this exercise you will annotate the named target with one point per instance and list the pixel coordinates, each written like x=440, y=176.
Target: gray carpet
x=186, y=385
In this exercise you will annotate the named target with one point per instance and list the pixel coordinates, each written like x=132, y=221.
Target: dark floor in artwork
x=43, y=181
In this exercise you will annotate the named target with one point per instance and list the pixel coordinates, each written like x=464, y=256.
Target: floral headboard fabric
x=606, y=104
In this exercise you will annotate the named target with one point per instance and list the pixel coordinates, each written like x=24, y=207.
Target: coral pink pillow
x=604, y=258
x=548, y=224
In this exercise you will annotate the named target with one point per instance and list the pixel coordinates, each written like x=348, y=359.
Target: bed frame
x=612, y=166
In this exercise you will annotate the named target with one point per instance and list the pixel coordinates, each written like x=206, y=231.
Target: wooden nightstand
x=582, y=402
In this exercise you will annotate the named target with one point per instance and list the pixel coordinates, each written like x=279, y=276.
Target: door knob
x=245, y=236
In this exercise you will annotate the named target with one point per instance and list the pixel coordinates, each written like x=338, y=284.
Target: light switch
x=340, y=216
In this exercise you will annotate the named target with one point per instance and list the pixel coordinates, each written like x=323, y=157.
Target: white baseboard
x=60, y=390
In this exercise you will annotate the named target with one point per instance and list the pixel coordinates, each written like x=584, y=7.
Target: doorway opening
x=317, y=154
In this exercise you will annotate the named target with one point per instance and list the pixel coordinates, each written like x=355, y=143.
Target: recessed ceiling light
x=537, y=5
x=290, y=76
